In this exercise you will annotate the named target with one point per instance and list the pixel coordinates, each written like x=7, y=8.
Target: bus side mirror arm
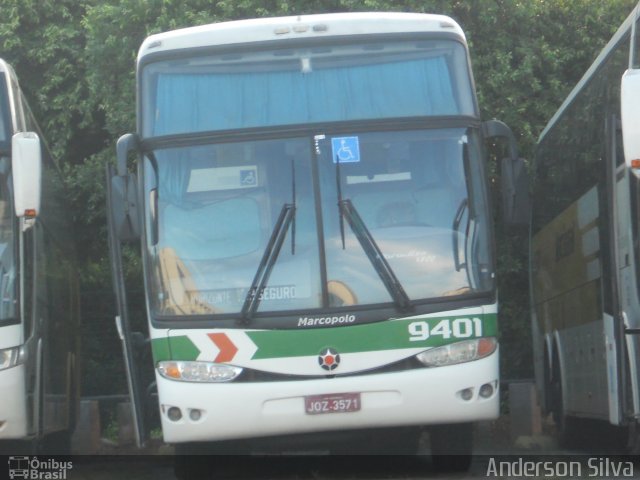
x=514, y=177
x=123, y=204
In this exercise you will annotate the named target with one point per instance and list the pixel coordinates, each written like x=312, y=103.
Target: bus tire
x=451, y=447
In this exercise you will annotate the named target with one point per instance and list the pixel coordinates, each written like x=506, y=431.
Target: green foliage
x=42, y=41
x=76, y=62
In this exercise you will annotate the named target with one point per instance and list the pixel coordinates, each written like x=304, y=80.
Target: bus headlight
x=198, y=371
x=10, y=357
x=459, y=352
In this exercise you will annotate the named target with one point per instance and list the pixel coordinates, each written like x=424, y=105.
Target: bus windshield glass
x=295, y=86
x=213, y=208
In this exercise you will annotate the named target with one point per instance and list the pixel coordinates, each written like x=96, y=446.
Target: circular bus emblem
x=329, y=359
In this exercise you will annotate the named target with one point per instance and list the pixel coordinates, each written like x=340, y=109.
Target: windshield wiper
x=375, y=256
x=456, y=226
x=464, y=205
x=346, y=210
x=269, y=259
x=286, y=220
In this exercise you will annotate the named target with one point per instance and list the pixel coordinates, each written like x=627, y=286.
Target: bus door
x=630, y=128
x=122, y=223
x=620, y=347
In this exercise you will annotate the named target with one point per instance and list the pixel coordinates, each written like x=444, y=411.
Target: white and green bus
x=313, y=205
x=39, y=302
x=585, y=246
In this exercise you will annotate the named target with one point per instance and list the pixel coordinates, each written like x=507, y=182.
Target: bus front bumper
x=13, y=414
x=422, y=396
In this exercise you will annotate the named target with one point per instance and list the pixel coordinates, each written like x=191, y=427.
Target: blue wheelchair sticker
x=345, y=149
x=248, y=178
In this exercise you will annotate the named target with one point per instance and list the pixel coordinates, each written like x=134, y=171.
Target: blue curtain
x=192, y=103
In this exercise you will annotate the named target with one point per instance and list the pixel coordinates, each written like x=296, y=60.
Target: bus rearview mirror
x=26, y=165
x=124, y=193
x=514, y=177
x=630, y=113
x=124, y=207
x=127, y=143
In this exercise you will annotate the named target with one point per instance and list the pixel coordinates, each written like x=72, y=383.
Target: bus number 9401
x=458, y=328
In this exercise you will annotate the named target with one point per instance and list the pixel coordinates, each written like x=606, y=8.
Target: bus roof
x=305, y=26
x=620, y=33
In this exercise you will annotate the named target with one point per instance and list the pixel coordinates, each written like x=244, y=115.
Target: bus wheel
x=451, y=447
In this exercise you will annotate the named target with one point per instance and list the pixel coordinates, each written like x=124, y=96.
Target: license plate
x=332, y=403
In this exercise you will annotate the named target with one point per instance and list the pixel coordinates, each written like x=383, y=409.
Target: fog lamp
x=486, y=390
x=466, y=394
x=174, y=414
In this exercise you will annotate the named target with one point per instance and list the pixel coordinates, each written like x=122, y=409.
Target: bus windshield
x=213, y=208
x=295, y=86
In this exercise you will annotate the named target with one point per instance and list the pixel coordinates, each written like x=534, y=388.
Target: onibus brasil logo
x=38, y=469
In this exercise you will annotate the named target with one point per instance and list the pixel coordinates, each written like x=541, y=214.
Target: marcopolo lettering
x=318, y=321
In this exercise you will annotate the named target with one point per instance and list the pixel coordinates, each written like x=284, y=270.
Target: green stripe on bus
x=179, y=347
x=389, y=335
x=183, y=348
x=160, y=349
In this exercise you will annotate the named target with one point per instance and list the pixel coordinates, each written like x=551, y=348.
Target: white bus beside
x=312, y=201
x=585, y=246
x=39, y=302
